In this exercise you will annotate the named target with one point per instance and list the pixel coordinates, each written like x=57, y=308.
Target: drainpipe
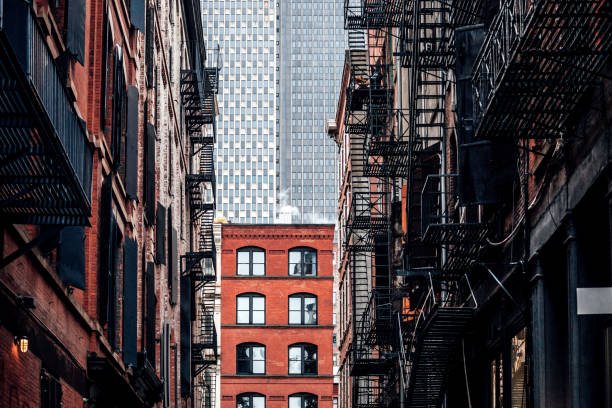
x=539, y=351
x=571, y=248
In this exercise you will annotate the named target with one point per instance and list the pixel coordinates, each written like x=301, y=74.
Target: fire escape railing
x=359, y=14
x=45, y=177
x=538, y=58
x=435, y=327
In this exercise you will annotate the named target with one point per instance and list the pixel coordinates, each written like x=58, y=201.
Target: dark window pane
x=244, y=366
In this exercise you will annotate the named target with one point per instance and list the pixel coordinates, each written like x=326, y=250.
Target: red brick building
x=100, y=202
x=277, y=316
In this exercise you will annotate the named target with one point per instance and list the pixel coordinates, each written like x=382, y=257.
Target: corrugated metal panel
x=130, y=301
x=71, y=257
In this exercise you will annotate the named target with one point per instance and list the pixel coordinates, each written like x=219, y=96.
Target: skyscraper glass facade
x=311, y=61
x=281, y=63
x=247, y=121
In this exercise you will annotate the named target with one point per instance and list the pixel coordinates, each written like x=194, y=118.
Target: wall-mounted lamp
x=23, y=343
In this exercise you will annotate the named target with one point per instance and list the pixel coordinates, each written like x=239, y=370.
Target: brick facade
x=276, y=334
x=77, y=338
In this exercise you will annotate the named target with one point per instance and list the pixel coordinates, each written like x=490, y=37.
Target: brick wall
x=64, y=326
x=276, y=334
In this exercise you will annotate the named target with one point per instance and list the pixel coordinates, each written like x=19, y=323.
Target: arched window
x=250, y=308
x=250, y=400
x=302, y=309
x=302, y=400
x=251, y=261
x=302, y=262
x=250, y=358
x=303, y=359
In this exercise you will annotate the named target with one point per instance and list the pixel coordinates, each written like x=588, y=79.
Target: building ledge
x=276, y=277
x=279, y=326
x=275, y=376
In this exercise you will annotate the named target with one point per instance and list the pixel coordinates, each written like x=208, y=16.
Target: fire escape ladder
x=204, y=346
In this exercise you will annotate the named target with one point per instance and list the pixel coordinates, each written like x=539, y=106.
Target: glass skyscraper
x=311, y=61
x=247, y=121
x=282, y=63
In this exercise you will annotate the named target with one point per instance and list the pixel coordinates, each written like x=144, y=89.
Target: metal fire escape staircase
x=435, y=324
x=437, y=330
x=376, y=159
x=199, y=90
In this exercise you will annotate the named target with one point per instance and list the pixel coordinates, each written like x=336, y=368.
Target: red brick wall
x=276, y=334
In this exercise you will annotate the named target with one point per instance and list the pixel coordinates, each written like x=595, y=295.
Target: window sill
x=274, y=277
x=277, y=375
x=282, y=326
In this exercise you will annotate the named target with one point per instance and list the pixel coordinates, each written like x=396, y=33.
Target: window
x=250, y=400
x=302, y=401
x=302, y=309
x=519, y=369
x=250, y=358
x=50, y=391
x=250, y=309
x=497, y=386
x=251, y=262
x=303, y=262
x=303, y=359
x=513, y=380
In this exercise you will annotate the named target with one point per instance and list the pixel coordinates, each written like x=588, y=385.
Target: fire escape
x=199, y=88
x=439, y=303
x=45, y=155
x=519, y=81
x=379, y=159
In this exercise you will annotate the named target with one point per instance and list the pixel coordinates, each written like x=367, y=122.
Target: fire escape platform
x=45, y=154
x=372, y=14
x=435, y=352
x=457, y=233
x=537, y=61
x=372, y=366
